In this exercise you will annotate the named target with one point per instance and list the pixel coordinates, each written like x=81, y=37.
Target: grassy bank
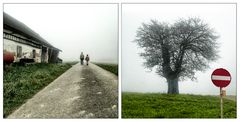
x=22, y=82
x=155, y=105
x=71, y=62
x=113, y=68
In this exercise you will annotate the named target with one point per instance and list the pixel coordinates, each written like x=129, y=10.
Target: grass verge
x=71, y=62
x=113, y=68
x=22, y=82
x=156, y=105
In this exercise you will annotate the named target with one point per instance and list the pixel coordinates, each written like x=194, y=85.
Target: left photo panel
x=60, y=61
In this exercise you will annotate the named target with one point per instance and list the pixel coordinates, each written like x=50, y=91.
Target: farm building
x=25, y=45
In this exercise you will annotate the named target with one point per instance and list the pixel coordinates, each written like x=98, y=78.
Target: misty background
x=73, y=28
x=221, y=17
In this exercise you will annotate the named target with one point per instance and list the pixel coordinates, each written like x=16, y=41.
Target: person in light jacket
x=81, y=58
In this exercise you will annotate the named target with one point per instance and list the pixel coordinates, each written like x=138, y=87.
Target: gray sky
x=91, y=28
x=221, y=17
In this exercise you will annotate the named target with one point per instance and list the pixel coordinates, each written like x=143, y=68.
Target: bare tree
x=178, y=50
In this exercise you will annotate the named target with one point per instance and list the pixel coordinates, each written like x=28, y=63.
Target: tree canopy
x=179, y=49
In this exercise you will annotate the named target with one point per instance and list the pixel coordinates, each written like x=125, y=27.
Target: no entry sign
x=221, y=77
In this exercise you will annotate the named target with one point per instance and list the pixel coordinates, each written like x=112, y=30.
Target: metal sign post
x=221, y=102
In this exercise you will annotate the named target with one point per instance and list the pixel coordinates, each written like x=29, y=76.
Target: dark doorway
x=34, y=53
x=44, y=54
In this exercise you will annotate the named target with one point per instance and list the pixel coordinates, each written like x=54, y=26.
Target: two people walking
x=82, y=58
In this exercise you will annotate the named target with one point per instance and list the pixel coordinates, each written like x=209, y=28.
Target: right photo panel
x=179, y=60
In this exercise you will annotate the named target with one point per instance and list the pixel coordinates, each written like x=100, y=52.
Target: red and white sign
x=221, y=77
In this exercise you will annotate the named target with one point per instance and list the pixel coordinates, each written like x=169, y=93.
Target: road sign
x=221, y=77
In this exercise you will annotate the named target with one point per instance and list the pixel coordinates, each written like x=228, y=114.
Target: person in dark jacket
x=87, y=59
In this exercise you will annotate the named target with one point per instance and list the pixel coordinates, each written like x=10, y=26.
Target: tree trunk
x=172, y=85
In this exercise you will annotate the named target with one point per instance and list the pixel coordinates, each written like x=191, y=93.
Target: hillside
x=156, y=105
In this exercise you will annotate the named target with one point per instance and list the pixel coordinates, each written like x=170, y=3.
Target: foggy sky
x=73, y=28
x=221, y=17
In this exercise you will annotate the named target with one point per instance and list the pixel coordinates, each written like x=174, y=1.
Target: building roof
x=24, y=29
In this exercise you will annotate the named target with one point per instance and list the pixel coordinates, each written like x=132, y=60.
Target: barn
x=25, y=45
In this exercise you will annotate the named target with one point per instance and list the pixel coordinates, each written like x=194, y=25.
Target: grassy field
x=156, y=105
x=113, y=68
x=22, y=82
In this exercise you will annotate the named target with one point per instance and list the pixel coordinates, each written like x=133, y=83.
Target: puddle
x=76, y=88
x=78, y=81
x=28, y=115
x=89, y=115
x=99, y=92
x=82, y=112
x=73, y=99
x=114, y=106
x=42, y=105
x=54, y=90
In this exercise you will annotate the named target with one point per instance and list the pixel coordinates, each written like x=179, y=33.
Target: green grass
x=22, y=82
x=113, y=68
x=71, y=62
x=156, y=105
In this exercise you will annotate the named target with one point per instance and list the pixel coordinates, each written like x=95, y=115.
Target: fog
x=221, y=17
x=93, y=29
x=73, y=28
